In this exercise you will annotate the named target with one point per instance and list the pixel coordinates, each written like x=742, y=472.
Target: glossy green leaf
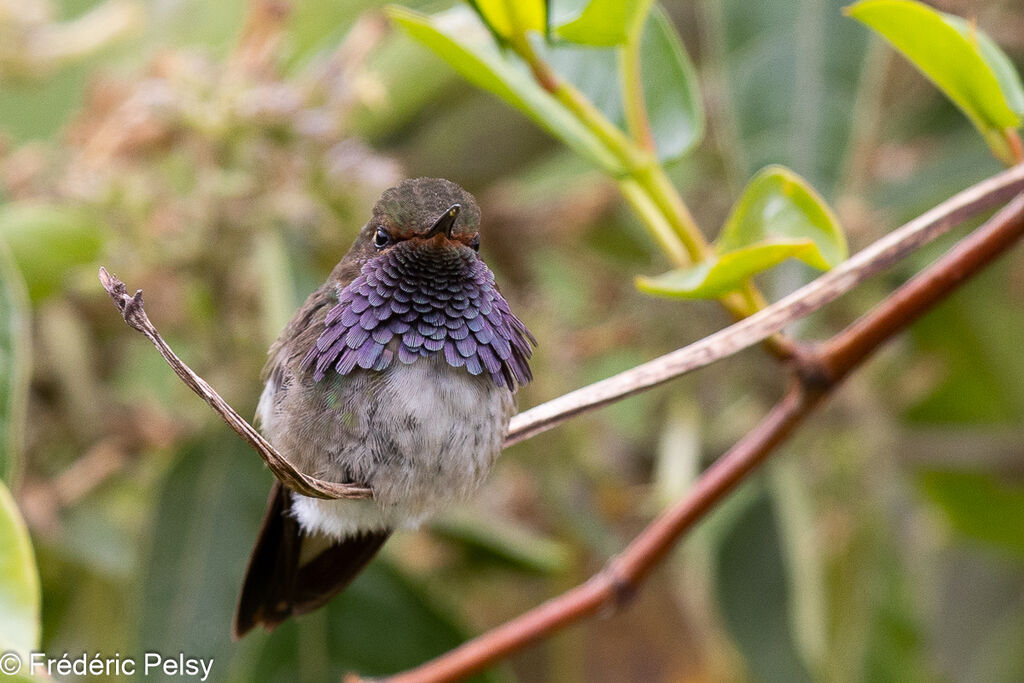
x=778, y=216
x=966, y=65
x=47, y=242
x=726, y=272
x=674, y=106
x=996, y=59
x=510, y=18
x=15, y=361
x=779, y=204
x=605, y=23
x=19, y=581
x=980, y=506
x=458, y=37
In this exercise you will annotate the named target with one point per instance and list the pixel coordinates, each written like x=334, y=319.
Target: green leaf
x=724, y=273
x=966, y=65
x=793, y=498
x=22, y=678
x=414, y=81
x=458, y=37
x=779, y=204
x=508, y=19
x=19, y=581
x=605, y=23
x=47, y=242
x=15, y=361
x=777, y=217
x=381, y=624
x=980, y=506
x=1002, y=67
x=316, y=26
x=674, y=106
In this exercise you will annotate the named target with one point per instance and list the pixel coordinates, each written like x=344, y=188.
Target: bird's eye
x=381, y=239
x=475, y=244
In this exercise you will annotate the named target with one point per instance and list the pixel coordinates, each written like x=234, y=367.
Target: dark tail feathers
x=276, y=587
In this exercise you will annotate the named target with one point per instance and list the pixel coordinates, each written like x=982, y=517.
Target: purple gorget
x=416, y=300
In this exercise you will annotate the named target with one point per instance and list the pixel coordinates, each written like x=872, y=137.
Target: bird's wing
x=299, y=334
x=286, y=354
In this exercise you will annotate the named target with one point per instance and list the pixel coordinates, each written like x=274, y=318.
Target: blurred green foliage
x=222, y=155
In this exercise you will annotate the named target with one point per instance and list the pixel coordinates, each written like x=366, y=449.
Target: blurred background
x=222, y=155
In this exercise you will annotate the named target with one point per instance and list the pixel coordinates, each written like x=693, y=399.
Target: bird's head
x=421, y=289
x=422, y=212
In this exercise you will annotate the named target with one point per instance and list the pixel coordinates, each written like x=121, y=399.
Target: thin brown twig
x=733, y=339
x=134, y=314
x=836, y=358
x=870, y=261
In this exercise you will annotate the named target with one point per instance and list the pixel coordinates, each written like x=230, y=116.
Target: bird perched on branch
x=398, y=373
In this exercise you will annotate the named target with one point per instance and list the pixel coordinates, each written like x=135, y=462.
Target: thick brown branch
x=847, y=350
x=763, y=324
x=840, y=355
x=134, y=314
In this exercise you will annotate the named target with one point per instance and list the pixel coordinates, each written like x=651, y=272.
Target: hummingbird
x=398, y=373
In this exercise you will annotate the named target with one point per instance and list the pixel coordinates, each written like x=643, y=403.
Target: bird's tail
x=276, y=586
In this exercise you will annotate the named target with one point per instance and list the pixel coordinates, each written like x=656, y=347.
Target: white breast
x=430, y=439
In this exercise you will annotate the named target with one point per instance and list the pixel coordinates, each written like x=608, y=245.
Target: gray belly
x=420, y=435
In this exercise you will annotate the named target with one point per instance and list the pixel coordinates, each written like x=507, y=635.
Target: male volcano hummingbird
x=398, y=373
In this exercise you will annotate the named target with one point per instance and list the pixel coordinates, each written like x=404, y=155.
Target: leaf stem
x=653, y=218
x=645, y=185
x=633, y=97
x=617, y=142
x=664, y=194
x=643, y=173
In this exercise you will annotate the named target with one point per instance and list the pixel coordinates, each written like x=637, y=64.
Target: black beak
x=445, y=223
